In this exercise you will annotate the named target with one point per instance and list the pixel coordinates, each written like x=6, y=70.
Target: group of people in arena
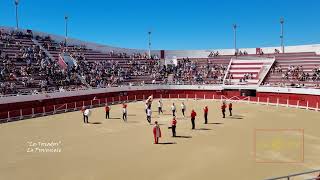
x=192, y=116
x=156, y=129
x=86, y=112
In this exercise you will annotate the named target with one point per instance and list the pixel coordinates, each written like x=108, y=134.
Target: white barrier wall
x=34, y=97
x=289, y=90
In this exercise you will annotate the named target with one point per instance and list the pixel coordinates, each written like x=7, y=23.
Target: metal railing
x=67, y=107
x=288, y=177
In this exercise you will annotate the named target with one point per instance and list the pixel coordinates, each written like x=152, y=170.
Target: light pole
x=281, y=36
x=16, y=2
x=66, y=30
x=235, y=38
x=149, y=36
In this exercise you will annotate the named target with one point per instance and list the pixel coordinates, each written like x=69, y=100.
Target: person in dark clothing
x=107, y=109
x=230, y=109
x=223, y=109
x=193, y=118
x=205, y=111
x=173, y=126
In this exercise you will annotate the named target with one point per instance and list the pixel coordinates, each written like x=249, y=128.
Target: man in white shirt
x=86, y=114
x=124, y=112
x=149, y=113
x=146, y=106
x=160, y=107
x=183, y=108
x=173, y=109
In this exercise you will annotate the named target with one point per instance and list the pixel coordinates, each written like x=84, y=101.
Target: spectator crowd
x=28, y=67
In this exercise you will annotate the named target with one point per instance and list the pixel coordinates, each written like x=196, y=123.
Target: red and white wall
x=21, y=107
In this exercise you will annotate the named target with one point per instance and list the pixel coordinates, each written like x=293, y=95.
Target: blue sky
x=176, y=24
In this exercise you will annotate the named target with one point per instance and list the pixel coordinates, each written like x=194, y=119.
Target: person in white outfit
x=124, y=112
x=173, y=109
x=86, y=114
x=160, y=107
x=149, y=113
x=183, y=108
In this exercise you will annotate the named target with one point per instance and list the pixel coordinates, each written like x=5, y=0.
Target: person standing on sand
x=193, y=118
x=173, y=109
x=124, y=112
x=86, y=115
x=230, y=108
x=146, y=106
x=107, y=109
x=160, y=107
x=82, y=111
x=173, y=126
x=205, y=112
x=156, y=132
x=223, y=109
x=183, y=108
x=149, y=113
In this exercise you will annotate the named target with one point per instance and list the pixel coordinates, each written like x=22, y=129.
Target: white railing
x=288, y=177
x=307, y=91
x=65, y=107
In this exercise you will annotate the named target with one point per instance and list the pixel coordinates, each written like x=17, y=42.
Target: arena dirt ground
x=250, y=145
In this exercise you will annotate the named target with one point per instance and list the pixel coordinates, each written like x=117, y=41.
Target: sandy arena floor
x=231, y=148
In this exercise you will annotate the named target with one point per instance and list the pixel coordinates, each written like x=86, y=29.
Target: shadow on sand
x=216, y=123
x=187, y=137
x=166, y=143
x=94, y=123
x=235, y=117
x=159, y=124
x=203, y=129
x=133, y=122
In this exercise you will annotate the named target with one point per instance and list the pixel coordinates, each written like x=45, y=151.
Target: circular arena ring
x=265, y=137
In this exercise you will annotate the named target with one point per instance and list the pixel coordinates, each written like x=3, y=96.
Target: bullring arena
x=113, y=149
